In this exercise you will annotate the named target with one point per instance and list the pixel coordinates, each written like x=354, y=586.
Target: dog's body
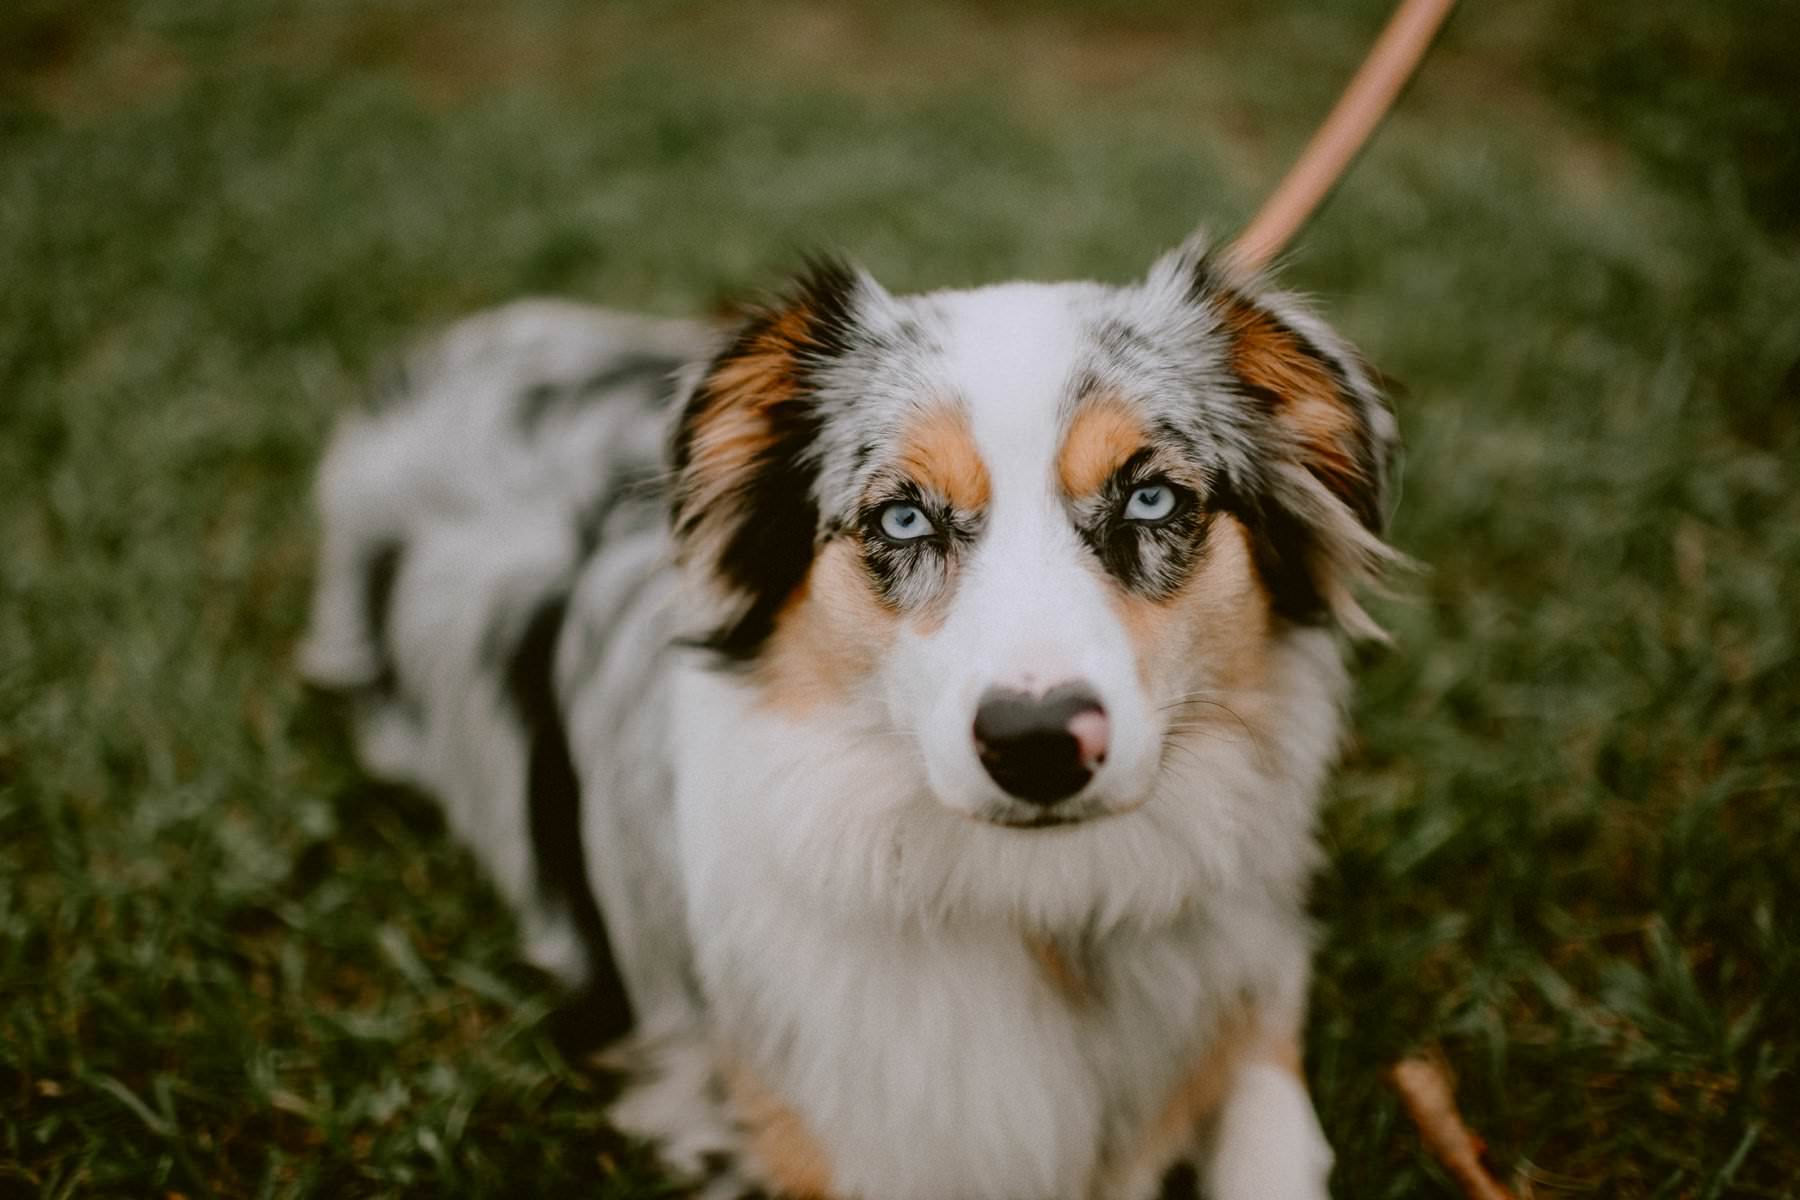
x=928, y=804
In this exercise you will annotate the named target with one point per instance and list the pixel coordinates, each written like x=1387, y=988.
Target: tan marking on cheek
x=938, y=452
x=1104, y=433
x=1217, y=623
x=828, y=637
x=790, y=1156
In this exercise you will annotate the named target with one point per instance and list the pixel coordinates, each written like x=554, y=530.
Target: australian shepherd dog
x=901, y=718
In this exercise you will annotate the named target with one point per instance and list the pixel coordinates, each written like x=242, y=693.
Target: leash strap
x=1371, y=93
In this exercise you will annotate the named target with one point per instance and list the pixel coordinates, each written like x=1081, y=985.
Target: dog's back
x=494, y=527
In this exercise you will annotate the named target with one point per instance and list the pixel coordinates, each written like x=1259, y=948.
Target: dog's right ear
x=746, y=458
x=1326, y=437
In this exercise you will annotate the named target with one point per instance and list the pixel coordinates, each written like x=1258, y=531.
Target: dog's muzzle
x=1041, y=749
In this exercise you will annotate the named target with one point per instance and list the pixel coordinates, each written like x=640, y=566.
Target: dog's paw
x=1269, y=1145
x=675, y=1102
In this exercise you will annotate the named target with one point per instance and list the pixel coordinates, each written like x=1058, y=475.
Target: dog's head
x=1050, y=534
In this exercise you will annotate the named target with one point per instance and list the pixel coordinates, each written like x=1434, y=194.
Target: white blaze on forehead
x=1029, y=612
x=1010, y=351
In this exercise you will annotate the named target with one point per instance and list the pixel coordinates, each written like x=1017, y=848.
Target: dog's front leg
x=1267, y=1144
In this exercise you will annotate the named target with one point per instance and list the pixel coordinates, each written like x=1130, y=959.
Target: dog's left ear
x=1327, y=440
x=745, y=454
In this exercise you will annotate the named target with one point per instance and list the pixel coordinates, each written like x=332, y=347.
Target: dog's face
x=1050, y=534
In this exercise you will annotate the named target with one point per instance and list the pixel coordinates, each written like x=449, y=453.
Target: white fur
x=1269, y=1142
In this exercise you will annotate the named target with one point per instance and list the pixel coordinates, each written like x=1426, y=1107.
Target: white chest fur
x=905, y=1018
x=952, y=1064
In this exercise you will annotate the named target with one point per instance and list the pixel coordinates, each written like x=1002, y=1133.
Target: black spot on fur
x=626, y=488
x=391, y=386
x=769, y=555
x=774, y=528
x=653, y=372
x=380, y=571
x=1180, y=1182
x=1122, y=342
x=554, y=812
x=1208, y=275
x=1281, y=547
x=1085, y=384
x=576, y=1031
x=535, y=402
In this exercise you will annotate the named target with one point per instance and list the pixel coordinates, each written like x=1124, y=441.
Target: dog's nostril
x=1041, y=749
x=1090, y=730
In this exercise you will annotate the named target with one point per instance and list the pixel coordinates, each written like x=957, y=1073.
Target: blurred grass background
x=1565, y=850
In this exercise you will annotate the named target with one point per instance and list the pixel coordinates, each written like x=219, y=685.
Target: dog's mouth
x=1088, y=810
x=1021, y=817
x=1037, y=820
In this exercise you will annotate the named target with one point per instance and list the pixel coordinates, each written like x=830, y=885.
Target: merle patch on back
x=553, y=813
x=653, y=374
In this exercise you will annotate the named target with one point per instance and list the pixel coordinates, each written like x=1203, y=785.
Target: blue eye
x=902, y=522
x=1151, y=503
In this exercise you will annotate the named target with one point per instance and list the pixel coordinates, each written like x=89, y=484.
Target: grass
x=1564, y=850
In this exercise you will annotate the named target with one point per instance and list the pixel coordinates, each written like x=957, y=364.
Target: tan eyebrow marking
x=1104, y=433
x=938, y=452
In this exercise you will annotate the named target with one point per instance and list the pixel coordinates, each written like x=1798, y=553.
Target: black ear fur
x=744, y=510
x=1318, y=503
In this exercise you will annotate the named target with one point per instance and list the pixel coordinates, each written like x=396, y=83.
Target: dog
x=900, y=718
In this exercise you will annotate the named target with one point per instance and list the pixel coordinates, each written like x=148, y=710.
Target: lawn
x=1564, y=852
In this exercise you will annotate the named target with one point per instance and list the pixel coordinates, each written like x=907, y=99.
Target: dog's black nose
x=1041, y=748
